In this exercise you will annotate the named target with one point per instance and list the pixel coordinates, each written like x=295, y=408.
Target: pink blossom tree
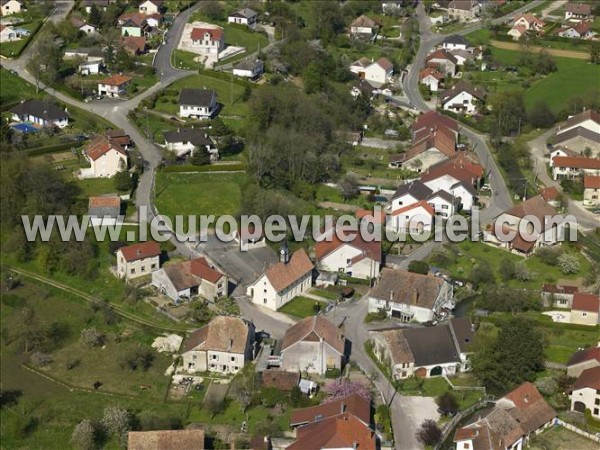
x=342, y=388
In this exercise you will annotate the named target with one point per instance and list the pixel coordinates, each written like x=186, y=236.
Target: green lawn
x=13, y=88
x=330, y=295
x=301, y=307
x=96, y=186
x=559, y=438
x=184, y=60
x=574, y=77
x=471, y=253
x=14, y=49
x=199, y=193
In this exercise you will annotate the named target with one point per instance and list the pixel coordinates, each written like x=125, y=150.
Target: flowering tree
x=342, y=388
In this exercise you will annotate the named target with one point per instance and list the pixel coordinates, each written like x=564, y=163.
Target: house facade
x=462, y=98
x=197, y=103
x=585, y=392
x=566, y=167
x=8, y=34
x=585, y=309
x=106, y=159
x=582, y=360
x=591, y=190
x=582, y=30
x=357, y=258
x=150, y=7
x=455, y=42
x=431, y=78
x=575, y=12
x=104, y=210
x=425, y=352
x=380, y=71
x=313, y=345
x=245, y=16
x=188, y=140
x=444, y=61
x=10, y=7
x=558, y=296
x=208, y=41
x=224, y=345
x=114, y=86
x=249, y=68
x=138, y=260
x=464, y=10
x=280, y=283
x=363, y=26
x=411, y=296
x=40, y=113
x=414, y=218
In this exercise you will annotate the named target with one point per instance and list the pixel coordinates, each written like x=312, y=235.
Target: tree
x=482, y=273
x=94, y=18
x=212, y=9
x=92, y=337
x=40, y=359
x=117, y=422
x=514, y=356
x=138, y=357
x=540, y=115
x=447, y=403
x=122, y=180
x=508, y=111
x=595, y=52
x=84, y=436
x=429, y=433
x=341, y=388
x=213, y=404
x=549, y=255
x=200, y=157
x=349, y=187
x=568, y=263
x=507, y=269
x=418, y=267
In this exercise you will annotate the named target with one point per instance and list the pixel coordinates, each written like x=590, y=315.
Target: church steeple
x=284, y=253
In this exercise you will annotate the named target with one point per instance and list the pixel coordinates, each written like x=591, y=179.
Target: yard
x=199, y=193
x=471, y=253
x=302, y=307
x=559, y=438
x=13, y=49
x=434, y=387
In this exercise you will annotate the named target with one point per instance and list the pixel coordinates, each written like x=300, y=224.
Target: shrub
x=92, y=337
x=137, y=358
x=332, y=373
x=522, y=273
x=568, y=263
x=429, y=433
x=84, y=436
x=546, y=386
x=447, y=403
x=418, y=267
x=549, y=255
x=40, y=359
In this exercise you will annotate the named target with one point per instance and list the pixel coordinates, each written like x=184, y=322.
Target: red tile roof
x=202, y=269
x=223, y=334
x=579, y=8
x=108, y=201
x=459, y=167
x=442, y=54
x=432, y=120
x=549, y=193
x=312, y=326
x=554, y=289
x=353, y=404
x=377, y=219
x=430, y=71
x=135, y=44
x=591, y=182
x=140, y=251
x=586, y=302
x=102, y=145
x=282, y=275
x=116, y=80
x=422, y=203
x=385, y=64
x=587, y=354
x=371, y=249
x=531, y=19
x=589, y=378
x=343, y=431
x=577, y=162
x=215, y=33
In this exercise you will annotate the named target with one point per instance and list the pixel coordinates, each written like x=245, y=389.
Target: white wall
x=466, y=100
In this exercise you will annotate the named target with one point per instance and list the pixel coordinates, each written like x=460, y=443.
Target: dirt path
x=552, y=51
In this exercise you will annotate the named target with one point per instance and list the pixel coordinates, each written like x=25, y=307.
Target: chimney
x=355, y=445
x=415, y=297
x=391, y=295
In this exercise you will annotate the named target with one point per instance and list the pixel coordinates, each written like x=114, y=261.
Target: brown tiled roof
x=140, y=251
x=582, y=117
x=377, y=219
x=462, y=86
x=135, y=44
x=343, y=431
x=420, y=203
x=535, y=206
x=166, y=440
x=280, y=379
x=587, y=354
x=371, y=249
x=554, y=289
x=201, y=268
x=385, y=64
x=400, y=352
x=576, y=132
x=531, y=19
x=577, y=162
x=314, y=326
x=363, y=21
x=215, y=33
x=433, y=119
x=461, y=166
x=223, y=334
x=401, y=286
x=589, y=378
x=116, y=80
x=591, y=182
x=427, y=71
x=136, y=18
x=101, y=145
x=181, y=276
x=465, y=5
x=118, y=136
x=549, y=193
x=353, y=404
x=531, y=410
x=586, y=302
x=441, y=139
x=579, y=8
x=281, y=275
x=442, y=54
x=107, y=201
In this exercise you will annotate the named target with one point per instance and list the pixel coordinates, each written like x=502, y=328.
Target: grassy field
x=473, y=252
x=96, y=186
x=199, y=193
x=13, y=88
x=559, y=438
x=573, y=78
x=301, y=307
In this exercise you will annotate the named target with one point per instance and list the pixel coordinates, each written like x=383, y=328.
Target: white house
x=464, y=10
x=578, y=11
x=517, y=32
x=102, y=5
x=558, y=296
x=565, y=167
x=106, y=158
x=583, y=359
x=513, y=420
x=114, y=86
x=591, y=190
x=224, y=345
x=105, y=210
x=249, y=68
x=581, y=30
x=208, y=41
x=313, y=345
x=444, y=61
x=137, y=260
x=356, y=258
x=40, y=113
x=415, y=218
x=530, y=22
x=363, y=26
x=585, y=393
x=10, y=7
x=462, y=98
x=380, y=71
x=455, y=42
x=150, y=7
x=88, y=29
x=187, y=140
x=245, y=16
x=411, y=296
x=408, y=194
x=197, y=103
x=432, y=78
x=280, y=283
x=464, y=194
x=90, y=68
x=443, y=203
x=8, y=34
x=410, y=352
x=588, y=119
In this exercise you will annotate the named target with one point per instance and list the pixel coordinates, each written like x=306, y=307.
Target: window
x=265, y=301
x=143, y=269
x=153, y=266
x=214, y=357
x=444, y=206
x=584, y=314
x=596, y=411
x=264, y=291
x=132, y=271
x=233, y=358
x=597, y=401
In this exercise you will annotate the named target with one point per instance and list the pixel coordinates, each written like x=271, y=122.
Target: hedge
x=207, y=168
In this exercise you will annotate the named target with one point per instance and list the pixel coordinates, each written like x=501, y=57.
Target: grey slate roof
x=469, y=188
x=444, y=195
x=457, y=40
x=248, y=64
x=463, y=332
x=38, y=108
x=431, y=345
x=196, y=136
x=247, y=13
x=415, y=188
x=196, y=97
